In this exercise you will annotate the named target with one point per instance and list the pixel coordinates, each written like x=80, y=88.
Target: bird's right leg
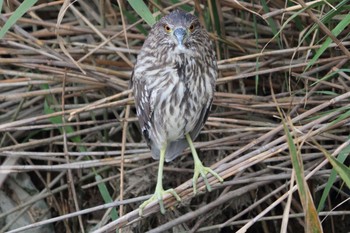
x=159, y=192
x=200, y=169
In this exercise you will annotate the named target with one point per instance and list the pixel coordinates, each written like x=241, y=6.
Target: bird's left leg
x=200, y=169
x=159, y=192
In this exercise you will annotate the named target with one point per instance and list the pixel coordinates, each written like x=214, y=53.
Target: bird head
x=181, y=30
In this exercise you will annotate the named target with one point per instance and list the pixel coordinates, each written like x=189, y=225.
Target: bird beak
x=180, y=35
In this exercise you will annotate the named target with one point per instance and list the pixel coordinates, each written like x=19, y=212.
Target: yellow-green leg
x=159, y=192
x=200, y=169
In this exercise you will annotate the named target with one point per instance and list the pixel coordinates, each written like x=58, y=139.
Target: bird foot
x=199, y=169
x=158, y=195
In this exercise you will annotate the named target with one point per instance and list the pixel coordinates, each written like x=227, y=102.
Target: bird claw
x=158, y=195
x=203, y=171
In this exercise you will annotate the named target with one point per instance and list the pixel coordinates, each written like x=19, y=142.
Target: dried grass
x=81, y=67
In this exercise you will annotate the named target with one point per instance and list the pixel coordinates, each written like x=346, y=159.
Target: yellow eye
x=191, y=28
x=167, y=28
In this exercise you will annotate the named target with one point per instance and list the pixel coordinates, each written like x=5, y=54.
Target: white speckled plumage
x=174, y=84
x=174, y=80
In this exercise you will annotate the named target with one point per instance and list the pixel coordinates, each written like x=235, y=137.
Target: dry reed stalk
x=78, y=70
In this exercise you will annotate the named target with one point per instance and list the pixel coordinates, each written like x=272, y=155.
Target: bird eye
x=191, y=28
x=167, y=28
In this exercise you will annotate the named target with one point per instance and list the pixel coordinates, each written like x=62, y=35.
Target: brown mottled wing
x=143, y=106
x=202, y=119
x=212, y=72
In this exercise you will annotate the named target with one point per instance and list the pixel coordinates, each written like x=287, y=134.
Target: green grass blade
x=297, y=19
x=342, y=170
x=324, y=113
x=342, y=6
x=312, y=222
x=184, y=7
x=285, y=24
x=56, y=120
x=330, y=75
x=106, y=196
x=297, y=162
x=142, y=10
x=272, y=23
x=216, y=19
x=1, y=2
x=343, y=116
x=132, y=19
x=336, y=31
x=341, y=158
x=19, y=12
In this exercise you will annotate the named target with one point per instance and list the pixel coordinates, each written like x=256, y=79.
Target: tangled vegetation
x=72, y=156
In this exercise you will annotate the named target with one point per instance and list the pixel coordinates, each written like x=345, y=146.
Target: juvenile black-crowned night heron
x=174, y=82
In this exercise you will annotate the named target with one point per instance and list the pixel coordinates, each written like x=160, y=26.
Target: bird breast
x=179, y=94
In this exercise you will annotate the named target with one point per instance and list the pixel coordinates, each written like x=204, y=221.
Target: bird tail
x=173, y=150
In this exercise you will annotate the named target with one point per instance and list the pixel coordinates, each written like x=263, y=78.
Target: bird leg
x=159, y=192
x=200, y=169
